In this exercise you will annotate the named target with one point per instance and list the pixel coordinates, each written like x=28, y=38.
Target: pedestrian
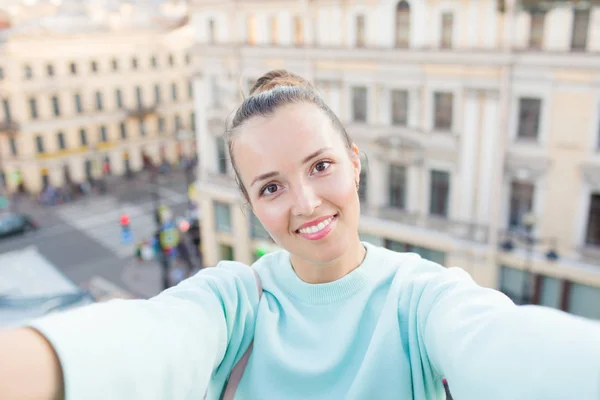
x=338, y=318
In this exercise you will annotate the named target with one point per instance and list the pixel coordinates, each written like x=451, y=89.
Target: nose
x=305, y=200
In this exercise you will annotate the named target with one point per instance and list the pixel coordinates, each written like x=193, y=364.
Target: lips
x=316, y=225
x=317, y=229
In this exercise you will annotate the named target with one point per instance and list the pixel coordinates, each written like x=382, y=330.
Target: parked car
x=16, y=224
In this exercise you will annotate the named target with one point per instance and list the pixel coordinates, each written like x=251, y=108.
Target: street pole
x=162, y=257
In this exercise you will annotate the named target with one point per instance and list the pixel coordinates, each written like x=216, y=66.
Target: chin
x=325, y=252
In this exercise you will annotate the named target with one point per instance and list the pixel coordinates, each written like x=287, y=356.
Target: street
x=82, y=238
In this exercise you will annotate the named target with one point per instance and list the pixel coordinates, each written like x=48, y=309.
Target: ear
x=355, y=159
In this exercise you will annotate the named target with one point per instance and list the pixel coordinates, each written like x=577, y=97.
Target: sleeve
x=489, y=348
x=167, y=347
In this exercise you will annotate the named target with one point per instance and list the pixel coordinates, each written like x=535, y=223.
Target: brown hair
x=274, y=90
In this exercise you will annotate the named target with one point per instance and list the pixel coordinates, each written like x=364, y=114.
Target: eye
x=321, y=166
x=269, y=189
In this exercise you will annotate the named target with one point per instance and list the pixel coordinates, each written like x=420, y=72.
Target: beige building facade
x=480, y=121
x=81, y=98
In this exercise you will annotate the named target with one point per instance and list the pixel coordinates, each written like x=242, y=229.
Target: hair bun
x=279, y=77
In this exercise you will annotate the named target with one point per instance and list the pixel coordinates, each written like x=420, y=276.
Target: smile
x=317, y=231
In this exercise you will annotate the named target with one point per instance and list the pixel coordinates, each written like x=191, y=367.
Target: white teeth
x=316, y=228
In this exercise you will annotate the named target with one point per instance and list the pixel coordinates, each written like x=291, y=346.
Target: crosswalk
x=99, y=219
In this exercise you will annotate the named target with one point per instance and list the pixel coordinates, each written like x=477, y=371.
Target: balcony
x=9, y=127
x=457, y=229
x=141, y=112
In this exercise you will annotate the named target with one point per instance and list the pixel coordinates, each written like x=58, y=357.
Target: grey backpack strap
x=238, y=370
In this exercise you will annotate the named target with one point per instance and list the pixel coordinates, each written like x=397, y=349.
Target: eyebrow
x=304, y=161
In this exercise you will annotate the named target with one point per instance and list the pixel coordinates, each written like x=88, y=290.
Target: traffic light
x=126, y=234
x=124, y=221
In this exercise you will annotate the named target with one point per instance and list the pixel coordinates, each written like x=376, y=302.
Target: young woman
x=338, y=319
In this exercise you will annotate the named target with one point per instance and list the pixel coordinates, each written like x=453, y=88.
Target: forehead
x=265, y=144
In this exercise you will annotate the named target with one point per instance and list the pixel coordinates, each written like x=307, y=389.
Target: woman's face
x=301, y=181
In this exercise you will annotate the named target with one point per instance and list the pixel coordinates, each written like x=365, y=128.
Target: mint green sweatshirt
x=391, y=329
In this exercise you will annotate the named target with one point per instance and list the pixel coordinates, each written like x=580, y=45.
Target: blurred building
x=480, y=120
x=89, y=88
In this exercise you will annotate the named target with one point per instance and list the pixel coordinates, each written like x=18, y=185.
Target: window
x=222, y=217
x=226, y=252
x=592, y=236
x=6, y=108
x=138, y=97
x=521, y=203
x=161, y=126
x=581, y=21
x=171, y=60
x=103, y=134
x=359, y=104
x=60, y=137
x=188, y=58
x=443, y=110
x=360, y=30
x=298, y=30
x=252, y=30
x=583, y=300
x=1, y=73
x=550, y=292
x=174, y=91
x=257, y=230
x=536, y=32
x=440, y=191
x=99, y=105
x=154, y=62
x=73, y=68
x=514, y=283
x=83, y=137
x=397, y=188
x=50, y=70
x=529, y=118
x=428, y=254
x=13, y=146
x=402, y=24
x=119, y=98
x=142, y=127
x=114, y=64
x=447, y=28
x=78, y=103
x=55, y=106
x=39, y=144
x=274, y=29
x=399, y=107
x=221, y=155
x=94, y=66
x=157, y=94
x=33, y=111
x=211, y=31
x=134, y=63
x=27, y=72
x=193, y=121
x=190, y=87
x=178, y=123
x=123, y=130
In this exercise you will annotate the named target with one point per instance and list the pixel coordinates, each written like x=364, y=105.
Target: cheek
x=341, y=190
x=273, y=217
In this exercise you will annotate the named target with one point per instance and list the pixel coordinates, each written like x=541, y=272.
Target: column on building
x=209, y=243
x=241, y=234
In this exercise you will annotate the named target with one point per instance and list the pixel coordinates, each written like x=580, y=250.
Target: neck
x=311, y=272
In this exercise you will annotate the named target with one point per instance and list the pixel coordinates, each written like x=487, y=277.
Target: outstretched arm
x=489, y=348
x=167, y=347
